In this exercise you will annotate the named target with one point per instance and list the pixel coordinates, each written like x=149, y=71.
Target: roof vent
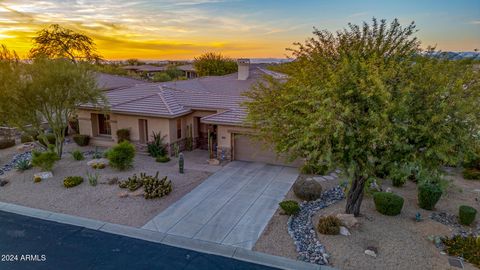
x=243, y=69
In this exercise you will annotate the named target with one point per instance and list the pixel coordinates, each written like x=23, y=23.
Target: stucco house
x=198, y=106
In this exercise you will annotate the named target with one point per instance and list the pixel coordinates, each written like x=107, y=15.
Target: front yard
x=400, y=241
x=105, y=201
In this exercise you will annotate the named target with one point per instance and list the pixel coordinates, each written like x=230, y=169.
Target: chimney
x=243, y=68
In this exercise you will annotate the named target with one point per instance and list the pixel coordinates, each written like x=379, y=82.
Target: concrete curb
x=166, y=239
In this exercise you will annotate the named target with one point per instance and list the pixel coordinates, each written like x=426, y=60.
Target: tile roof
x=146, y=68
x=108, y=82
x=221, y=94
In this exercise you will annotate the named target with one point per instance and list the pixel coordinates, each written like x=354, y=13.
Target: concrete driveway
x=231, y=207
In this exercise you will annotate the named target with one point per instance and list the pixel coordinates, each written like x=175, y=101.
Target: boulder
x=307, y=189
x=43, y=175
x=348, y=220
x=371, y=253
x=137, y=193
x=3, y=182
x=344, y=231
x=25, y=147
x=123, y=194
x=103, y=161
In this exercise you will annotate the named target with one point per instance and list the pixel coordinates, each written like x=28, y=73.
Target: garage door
x=247, y=149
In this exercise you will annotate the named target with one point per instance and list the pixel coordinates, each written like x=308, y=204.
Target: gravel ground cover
x=104, y=202
x=401, y=242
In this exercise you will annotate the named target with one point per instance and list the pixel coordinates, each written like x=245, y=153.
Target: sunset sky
x=170, y=29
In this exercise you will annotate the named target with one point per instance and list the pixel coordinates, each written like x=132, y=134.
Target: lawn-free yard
x=104, y=201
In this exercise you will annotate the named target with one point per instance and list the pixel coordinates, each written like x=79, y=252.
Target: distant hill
x=459, y=55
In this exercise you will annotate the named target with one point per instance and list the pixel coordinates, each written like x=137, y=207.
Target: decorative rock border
x=452, y=221
x=300, y=227
x=17, y=158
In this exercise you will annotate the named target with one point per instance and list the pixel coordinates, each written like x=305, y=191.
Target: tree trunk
x=355, y=196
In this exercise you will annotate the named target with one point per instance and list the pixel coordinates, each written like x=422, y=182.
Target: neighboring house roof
x=146, y=68
x=222, y=94
x=187, y=67
x=108, y=82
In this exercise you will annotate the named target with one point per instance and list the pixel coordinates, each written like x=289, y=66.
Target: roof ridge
x=160, y=94
x=136, y=99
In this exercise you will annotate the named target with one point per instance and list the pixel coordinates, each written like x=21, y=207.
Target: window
x=179, y=128
x=104, y=124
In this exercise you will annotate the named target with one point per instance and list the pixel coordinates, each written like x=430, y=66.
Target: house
x=188, y=70
x=110, y=82
x=150, y=70
x=183, y=109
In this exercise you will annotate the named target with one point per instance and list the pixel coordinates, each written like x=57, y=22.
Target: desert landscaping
x=105, y=201
x=398, y=241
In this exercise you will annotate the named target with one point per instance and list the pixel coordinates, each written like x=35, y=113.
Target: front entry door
x=143, y=130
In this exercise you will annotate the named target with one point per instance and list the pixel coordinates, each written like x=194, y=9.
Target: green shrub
x=78, y=155
x=329, y=225
x=465, y=247
x=97, y=154
x=466, y=214
x=471, y=174
x=428, y=195
x=23, y=165
x=44, y=160
x=133, y=183
x=162, y=159
x=72, y=181
x=7, y=143
x=26, y=138
x=121, y=155
x=92, y=178
x=50, y=138
x=152, y=185
x=388, y=203
x=81, y=140
x=312, y=168
x=290, y=207
x=123, y=134
x=155, y=187
x=157, y=147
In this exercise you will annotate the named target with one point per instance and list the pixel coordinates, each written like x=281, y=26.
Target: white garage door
x=247, y=149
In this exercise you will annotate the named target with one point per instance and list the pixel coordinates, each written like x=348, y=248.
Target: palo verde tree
x=49, y=90
x=214, y=64
x=59, y=42
x=367, y=96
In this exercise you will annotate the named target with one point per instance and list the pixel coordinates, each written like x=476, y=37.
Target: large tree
x=48, y=90
x=366, y=97
x=56, y=41
x=214, y=64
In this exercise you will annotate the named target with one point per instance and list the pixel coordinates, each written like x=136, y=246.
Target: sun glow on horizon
x=183, y=29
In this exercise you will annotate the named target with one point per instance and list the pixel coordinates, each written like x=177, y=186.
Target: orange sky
x=183, y=29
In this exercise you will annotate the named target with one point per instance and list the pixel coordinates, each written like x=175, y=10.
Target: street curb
x=166, y=239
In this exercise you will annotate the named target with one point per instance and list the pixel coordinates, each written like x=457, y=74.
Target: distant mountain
x=458, y=55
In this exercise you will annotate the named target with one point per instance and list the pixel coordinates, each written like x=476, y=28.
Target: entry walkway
x=231, y=207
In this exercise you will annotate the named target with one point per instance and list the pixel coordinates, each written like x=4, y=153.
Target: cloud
x=474, y=22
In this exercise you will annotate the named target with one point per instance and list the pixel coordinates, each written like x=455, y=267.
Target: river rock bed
x=300, y=227
x=17, y=158
x=452, y=221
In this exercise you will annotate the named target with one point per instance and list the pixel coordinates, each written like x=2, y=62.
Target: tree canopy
x=214, y=64
x=367, y=99
x=47, y=90
x=59, y=42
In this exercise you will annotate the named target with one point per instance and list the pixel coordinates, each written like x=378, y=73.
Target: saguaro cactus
x=181, y=163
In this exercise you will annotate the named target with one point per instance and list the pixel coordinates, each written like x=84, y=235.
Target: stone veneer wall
x=226, y=152
x=181, y=146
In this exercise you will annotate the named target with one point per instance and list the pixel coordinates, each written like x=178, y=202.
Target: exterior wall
x=89, y=126
x=154, y=124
